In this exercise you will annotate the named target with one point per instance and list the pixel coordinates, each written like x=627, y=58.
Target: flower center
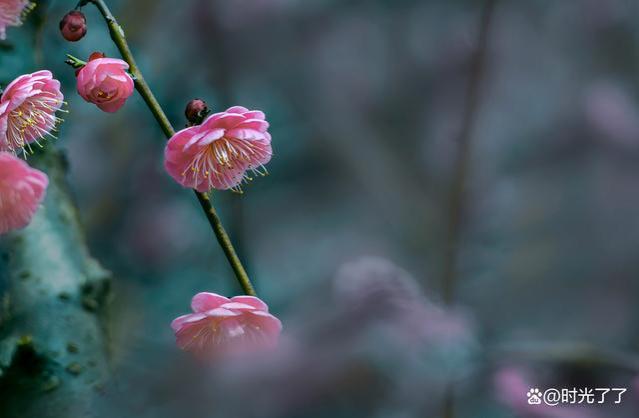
x=34, y=119
x=222, y=157
x=104, y=95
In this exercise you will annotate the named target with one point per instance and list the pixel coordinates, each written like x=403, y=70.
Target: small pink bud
x=73, y=26
x=196, y=110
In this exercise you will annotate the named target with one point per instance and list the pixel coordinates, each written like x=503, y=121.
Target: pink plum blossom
x=219, y=153
x=28, y=109
x=22, y=189
x=219, y=325
x=11, y=14
x=105, y=83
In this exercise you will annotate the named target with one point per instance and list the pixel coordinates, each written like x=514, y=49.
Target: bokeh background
x=369, y=102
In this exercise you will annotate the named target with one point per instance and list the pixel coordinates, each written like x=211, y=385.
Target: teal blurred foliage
x=364, y=100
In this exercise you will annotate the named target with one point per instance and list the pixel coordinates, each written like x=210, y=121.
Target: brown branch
x=462, y=162
x=118, y=37
x=460, y=175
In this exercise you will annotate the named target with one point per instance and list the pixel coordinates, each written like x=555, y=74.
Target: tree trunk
x=53, y=344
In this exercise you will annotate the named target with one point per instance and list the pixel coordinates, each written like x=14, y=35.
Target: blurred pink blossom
x=105, y=83
x=219, y=325
x=22, y=189
x=11, y=13
x=28, y=110
x=218, y=153
x=611, y=111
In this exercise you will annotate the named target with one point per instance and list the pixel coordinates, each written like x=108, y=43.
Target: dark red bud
x=93, y=56
x=96, y=55
x=196, y=111
x=73, y=26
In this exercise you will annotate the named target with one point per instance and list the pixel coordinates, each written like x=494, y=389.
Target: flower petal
x=251, y=300
x=205, y=301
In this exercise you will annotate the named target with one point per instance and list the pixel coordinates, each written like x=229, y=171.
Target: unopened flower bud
x=96, y=55
x=196, y=111
x=73, y=26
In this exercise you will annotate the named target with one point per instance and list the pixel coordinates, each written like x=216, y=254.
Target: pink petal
x=255, y=114
x=238, y=306
x=223, y=120
x=237, y=109
x=205, y=301
x=111, y=107
x=187, y=319
x=22, y=189
x=221, y=313
x=251, y=300
x=256, y=124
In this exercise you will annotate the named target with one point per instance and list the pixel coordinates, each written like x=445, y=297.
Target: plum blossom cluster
x=11, y=14
x=220, y=326
x=28, y=109
x=222, y=152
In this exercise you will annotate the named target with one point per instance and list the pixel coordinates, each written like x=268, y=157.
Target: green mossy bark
x=53, y=294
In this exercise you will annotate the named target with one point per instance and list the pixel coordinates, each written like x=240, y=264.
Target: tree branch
x=462, y=163
x=119, y=38
x=460, y=175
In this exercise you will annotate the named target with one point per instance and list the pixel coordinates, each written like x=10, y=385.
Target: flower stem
x=118, y=37
x=75, y=62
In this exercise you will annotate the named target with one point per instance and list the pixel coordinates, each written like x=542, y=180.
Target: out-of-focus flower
x=434, y=341
x=12, y=13
x=105, y=83
x=613, y=114
x=371, y=280
x=28, y=110
x=218, y=153
x=22, y=189
x=196, y=110
x=219, y=325
x=73, y=26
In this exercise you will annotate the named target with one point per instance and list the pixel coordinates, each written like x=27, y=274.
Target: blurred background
x=450, y=216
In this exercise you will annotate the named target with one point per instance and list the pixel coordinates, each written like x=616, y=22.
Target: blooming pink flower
x=218, y=153
x=27, y=110
x=105, y=83
x=11, y=13
x=222, y=326
x=22, y=189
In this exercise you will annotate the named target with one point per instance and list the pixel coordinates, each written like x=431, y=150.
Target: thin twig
x=118, y=37
x=461, y=168
x=460, y=175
